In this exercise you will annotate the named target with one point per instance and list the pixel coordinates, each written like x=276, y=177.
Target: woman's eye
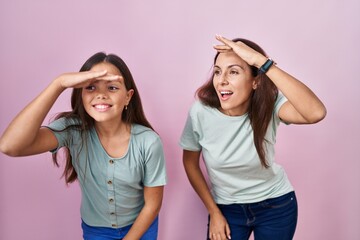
x=216, y=72
x=233, y=72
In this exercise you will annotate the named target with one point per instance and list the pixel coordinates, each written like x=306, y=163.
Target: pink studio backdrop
x=168, y=47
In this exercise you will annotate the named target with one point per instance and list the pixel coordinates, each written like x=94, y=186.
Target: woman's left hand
x=249, y=55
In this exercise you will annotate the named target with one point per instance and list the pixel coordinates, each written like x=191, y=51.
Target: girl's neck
x=111, y=130
x=114, y=138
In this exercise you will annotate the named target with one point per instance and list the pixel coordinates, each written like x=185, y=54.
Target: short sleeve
x=190, y=136
x=61, y=129
x=155, y=169
x=280, y=100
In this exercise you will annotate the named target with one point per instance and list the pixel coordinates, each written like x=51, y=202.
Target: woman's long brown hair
x=261, y=103
x=133, y=114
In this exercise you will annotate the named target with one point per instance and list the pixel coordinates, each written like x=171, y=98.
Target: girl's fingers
x=80, y=79
x=95, y=74
x=109, y=77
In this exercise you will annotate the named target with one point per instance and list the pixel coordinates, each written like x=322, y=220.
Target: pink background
x=168, y=47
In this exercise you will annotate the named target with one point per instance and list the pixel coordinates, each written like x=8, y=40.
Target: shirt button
x=109, y=182
x=111, y=161
x=111, y=200
x=113, y=225
x=112, y=213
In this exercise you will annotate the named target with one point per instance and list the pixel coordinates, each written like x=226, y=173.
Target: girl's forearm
x=24, y=128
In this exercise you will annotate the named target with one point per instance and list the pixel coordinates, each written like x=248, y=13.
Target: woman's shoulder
x=200, y=110
x=198, y=106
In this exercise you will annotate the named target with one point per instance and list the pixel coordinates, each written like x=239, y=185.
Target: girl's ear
x=129, y=95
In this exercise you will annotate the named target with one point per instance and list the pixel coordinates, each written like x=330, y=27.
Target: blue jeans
x=272, y=219
x=105, y=233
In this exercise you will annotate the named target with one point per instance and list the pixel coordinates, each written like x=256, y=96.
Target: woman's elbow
x=317, y=115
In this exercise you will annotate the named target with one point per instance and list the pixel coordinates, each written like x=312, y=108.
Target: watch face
x=264, y=68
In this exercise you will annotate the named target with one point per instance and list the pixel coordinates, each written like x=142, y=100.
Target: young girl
x=110, y=146
x=234, y=127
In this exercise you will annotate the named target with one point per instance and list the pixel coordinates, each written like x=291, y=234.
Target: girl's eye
x=233, y=72
x=90, y=88
x=113, y=88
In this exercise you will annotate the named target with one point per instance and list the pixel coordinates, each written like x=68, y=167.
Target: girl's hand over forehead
x=81, y=79
x=246, y=53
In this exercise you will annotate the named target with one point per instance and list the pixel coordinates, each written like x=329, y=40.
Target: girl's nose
x=101, y=95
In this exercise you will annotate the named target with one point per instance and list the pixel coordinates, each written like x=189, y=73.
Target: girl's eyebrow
x=107, y=82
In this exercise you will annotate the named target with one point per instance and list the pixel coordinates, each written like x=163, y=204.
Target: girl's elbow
x=9, y=150
x=154, y=209
x=12, y=148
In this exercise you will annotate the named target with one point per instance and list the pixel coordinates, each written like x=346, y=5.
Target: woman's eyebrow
x=230, y=66
x=235, y=65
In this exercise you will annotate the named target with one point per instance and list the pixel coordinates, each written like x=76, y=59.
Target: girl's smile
x=105, y=100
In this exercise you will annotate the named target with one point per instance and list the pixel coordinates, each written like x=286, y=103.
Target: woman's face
x=104, y=100
x=233, y=83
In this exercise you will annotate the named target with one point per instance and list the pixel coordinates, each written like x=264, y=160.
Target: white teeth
x=225, y=92
x=101, y=106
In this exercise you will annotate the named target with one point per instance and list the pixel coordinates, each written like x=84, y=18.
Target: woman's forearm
x=306, y=103
x=197, y=180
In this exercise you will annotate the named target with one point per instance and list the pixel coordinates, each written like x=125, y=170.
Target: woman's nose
x=223, y=79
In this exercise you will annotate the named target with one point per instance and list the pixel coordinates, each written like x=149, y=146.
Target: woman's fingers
x=248, y=54
x=226, y=41
x=222, y=48
x=218, y=236
x=227, y=231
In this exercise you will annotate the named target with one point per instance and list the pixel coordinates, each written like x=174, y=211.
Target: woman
x=233, y=126
x=110, y=146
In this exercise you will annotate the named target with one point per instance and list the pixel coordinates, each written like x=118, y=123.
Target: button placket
x=111, y=192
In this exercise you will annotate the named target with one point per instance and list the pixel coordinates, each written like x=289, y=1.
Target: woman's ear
x=255, y=84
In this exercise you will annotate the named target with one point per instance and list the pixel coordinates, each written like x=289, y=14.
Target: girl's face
x=233, y=83
x=104, y=100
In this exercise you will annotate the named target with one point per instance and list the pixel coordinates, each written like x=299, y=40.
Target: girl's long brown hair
x=262, y=101
x=133, y=114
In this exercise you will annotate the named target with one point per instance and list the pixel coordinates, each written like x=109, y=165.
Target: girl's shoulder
x=144, y=136
x=65, y=122
x=141, y=131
